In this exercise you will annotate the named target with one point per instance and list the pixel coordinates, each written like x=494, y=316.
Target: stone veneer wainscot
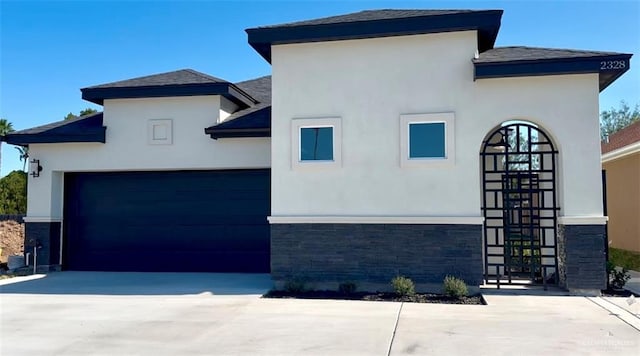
x=375, y=253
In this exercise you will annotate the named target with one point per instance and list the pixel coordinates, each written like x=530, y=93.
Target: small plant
x=347, y=287
x=403, y=286
x=617, y=278
x=455, y=287
x=296, y=285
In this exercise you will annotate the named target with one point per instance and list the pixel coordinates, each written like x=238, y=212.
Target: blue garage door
x=190, y=221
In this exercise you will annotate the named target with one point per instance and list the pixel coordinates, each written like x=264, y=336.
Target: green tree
x=13, y=193
x=24, y=155
x=88, y=111
x=84, y=112
x=614, y=120
x=5, y=128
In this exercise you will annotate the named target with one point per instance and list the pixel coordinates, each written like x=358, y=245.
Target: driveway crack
x=395, y=328
x=615, y=310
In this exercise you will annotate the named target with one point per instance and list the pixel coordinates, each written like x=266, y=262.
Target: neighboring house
x=388, y=142
x=621, y=161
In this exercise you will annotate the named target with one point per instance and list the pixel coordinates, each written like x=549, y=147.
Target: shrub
x=347, y=287
x=455, y=287
x=296, y=285
x=403, y=286
x=13, y=193
x=617, y=277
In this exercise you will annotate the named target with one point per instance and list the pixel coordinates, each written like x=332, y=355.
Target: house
x=385, y=142
x=621, y=161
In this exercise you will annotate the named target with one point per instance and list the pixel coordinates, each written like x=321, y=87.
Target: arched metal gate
x=519, y=205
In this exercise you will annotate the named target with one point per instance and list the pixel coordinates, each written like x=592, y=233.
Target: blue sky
x=51, y=49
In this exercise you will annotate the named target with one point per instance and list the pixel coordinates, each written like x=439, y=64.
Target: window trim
x=448, y=118
x=297, y=124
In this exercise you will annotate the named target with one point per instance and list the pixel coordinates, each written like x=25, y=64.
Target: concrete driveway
x=82, y=313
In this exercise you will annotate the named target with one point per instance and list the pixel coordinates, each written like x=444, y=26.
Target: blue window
x=427, y=140
x=316, y=143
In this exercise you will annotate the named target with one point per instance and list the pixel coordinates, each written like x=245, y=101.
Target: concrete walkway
x=633, y=285
x=197, y=317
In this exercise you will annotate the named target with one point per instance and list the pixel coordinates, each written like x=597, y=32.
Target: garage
x=177, y=221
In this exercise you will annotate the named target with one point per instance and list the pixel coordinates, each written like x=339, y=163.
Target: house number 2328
x=612, y=65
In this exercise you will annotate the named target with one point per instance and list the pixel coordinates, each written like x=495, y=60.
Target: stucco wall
x=127, y=147
x=623, y=202
x=370, y=83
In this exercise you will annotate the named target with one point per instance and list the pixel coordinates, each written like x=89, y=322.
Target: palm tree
x=24, y=155
x=5, y=128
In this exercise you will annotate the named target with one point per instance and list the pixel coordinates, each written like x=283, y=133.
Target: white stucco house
x=384, y=143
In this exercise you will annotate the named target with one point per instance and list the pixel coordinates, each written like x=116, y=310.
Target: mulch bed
x=617, y=293
x=378, y=296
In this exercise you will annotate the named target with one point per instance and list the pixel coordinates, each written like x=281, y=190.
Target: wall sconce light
x=35, y=168
x=501, y=145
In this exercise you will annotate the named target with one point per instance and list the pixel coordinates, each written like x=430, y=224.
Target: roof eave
x=621, y=152
x=241, y=95
x=238, y=133
x=228, y=90
x=88, y=128
x=487, y=23
x=556, y=66
x=605, y=81
x=255, y=119
x=97, y=135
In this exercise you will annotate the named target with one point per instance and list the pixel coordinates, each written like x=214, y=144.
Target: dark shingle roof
x=259, y=88
x=521, y=53
x=88, y=128
x=378, y=23
x=369, y=15
x=178, y=77
x=502, y=62
x=250, y=122
x=184, y=82
x=54, y=125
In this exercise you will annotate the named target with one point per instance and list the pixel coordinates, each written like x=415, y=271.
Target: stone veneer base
x=47, y=234
x=375, y=253
x=581, y=258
